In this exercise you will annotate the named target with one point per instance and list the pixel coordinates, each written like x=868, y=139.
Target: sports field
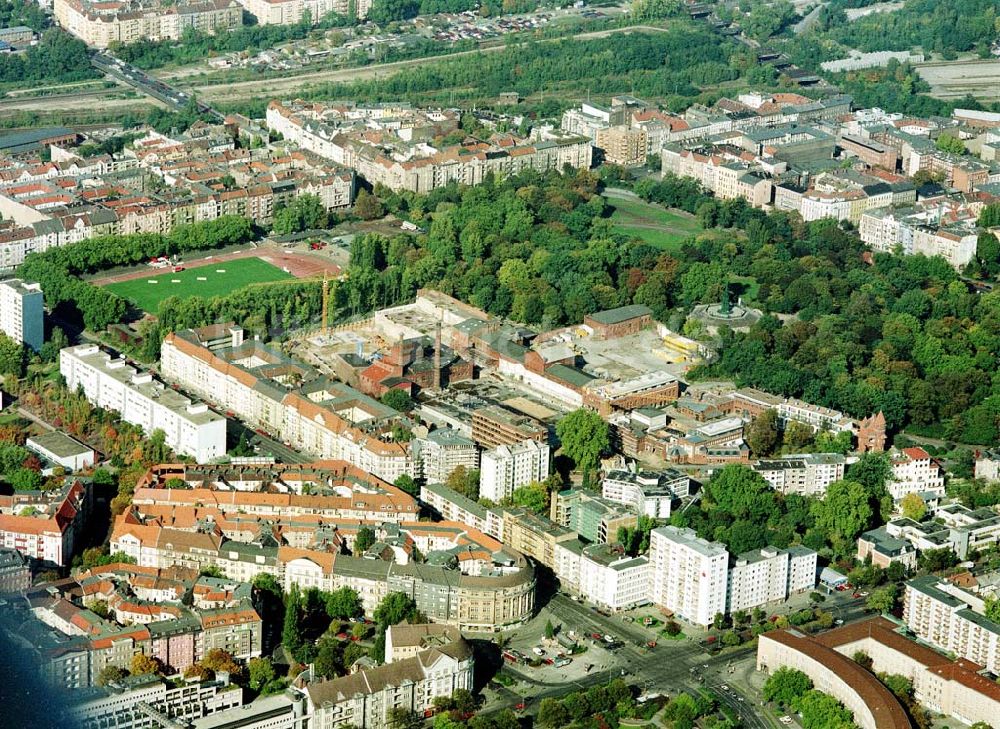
x=656, y=225
x=213, y=279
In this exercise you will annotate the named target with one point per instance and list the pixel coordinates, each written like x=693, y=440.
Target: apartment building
x=15, y=572
x=322, y=417
x=22, y=312
x=365, y=698
x=952, y=619
x=450, y=505
x=455, y=574
x=769, y=575
x=592, y=517
x=623, y=146
x=278, y=493
x=442, y=451
x=612, y=580
x=914, y=471
x=883, y=549
x=44, y=526
x=946, y=230
x=290, y=12
x=190, y=427
x=400, y=164
x=102, y=24
x=954, y=526
x=689, y=574
x=494, y=426
x=506, y=468
x=646, y=492
x=408, y=640
x=809, y=474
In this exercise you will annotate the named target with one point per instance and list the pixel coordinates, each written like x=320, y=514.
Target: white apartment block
x=646, y=492
x=914, y=471
x=770, y=575
x=442, y=451
x=190, y=427
x=506, y=468
x=689, y=574
x=809, y=474
x=22, y=312
x=757, y=578
x=803, y=566
x=988, y=466
x=913, y=231
x=952, y=620
x=612, y=580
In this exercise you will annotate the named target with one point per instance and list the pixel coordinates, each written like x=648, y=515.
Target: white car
x=538, y=651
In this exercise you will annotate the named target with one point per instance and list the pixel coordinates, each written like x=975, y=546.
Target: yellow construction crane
x=324, y=280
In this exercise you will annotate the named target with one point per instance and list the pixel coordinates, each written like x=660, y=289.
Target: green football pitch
x=208, y=280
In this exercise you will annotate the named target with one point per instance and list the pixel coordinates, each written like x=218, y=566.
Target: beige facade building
x=102, y=24
x=623, y=146
x=956, y=689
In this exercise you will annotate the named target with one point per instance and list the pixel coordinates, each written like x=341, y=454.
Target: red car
x=856, y=595
x=651, y=644
x=597, y=636
x=519, y=707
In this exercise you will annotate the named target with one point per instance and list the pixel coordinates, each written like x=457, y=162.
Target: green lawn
x=655, y=225
x=213, y=279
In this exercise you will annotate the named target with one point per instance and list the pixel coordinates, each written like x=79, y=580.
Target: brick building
x=619, y=322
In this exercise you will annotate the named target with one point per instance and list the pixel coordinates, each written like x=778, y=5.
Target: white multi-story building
x=803, y=566
x=809, y=474
x=914, y=471
x=190, y=427
x=364, y=699
x=647, y=492
x=988, y=465
x=689, y=574
x=506, y=468
x=613, y=580
x=952, y=619
x=442, y=451
x=757, y=578
x=22, y=312
x=770, y=575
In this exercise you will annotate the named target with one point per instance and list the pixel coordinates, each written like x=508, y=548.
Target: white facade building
x=190, y=427
x=649, y=493
x=952, y=620
x=757, y=578
x=22, y=312
x=506, y=468
x=689, y=574
x=770, y=575
x=612, y=580
x=809, y=474
x=442, y=451
x=914, y=471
